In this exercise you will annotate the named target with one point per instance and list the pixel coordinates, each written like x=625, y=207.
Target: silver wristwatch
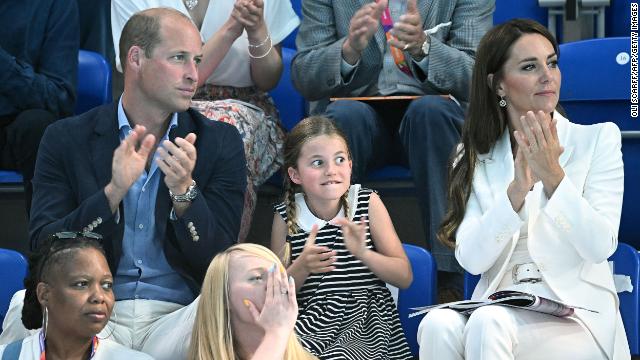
x=191, y=194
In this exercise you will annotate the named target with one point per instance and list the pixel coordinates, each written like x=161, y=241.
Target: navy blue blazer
x=74, y=165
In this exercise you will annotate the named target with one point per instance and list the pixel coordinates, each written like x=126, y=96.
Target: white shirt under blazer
x=571, y=235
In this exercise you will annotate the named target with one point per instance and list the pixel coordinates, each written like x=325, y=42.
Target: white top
x=521, y=255
x=107, y=350
x=234, y=69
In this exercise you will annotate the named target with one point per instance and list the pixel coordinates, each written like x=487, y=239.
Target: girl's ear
x=294, y=176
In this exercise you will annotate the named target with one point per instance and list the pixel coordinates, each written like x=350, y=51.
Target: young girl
x=342, y=249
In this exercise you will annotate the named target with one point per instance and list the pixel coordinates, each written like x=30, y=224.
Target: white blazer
x=570, y=235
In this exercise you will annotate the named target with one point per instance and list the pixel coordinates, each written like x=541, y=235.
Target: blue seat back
x=596, y=77
x=13, y=270
x=509, y=9
x=595, y=81
x=626, y=262
x=470, y=282
x=94, y=81
x=421, y=292
x=290, y=103
x=290, y=40
x=10, y=177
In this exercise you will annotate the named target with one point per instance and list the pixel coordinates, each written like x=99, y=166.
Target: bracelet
x=262, y=43
x=263, y=55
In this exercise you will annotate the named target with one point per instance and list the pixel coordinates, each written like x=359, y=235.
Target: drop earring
x=502, y=102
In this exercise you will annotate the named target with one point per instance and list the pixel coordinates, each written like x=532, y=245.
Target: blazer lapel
x=563, y=135
x=496, y=170
x=105, y=140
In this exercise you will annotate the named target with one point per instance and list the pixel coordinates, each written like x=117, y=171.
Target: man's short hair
x=143, y=30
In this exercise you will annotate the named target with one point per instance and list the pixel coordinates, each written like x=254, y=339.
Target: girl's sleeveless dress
x=347, y=313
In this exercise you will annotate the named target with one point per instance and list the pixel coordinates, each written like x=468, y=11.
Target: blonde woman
x=247, y=309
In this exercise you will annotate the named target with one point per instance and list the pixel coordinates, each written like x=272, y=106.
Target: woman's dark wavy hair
x=485, y=120
x=45, y=261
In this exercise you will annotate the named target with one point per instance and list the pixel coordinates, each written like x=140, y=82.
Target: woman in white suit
x=534, y=205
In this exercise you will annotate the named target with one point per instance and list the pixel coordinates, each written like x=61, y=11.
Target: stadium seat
x=596, y=79
x=626, y=262
x=509, y=9
x=422, y=292
x=290, y=40
x=94, y=81
x=94, y=88
x=291, y=105
x=13, y=270
x=470, y=282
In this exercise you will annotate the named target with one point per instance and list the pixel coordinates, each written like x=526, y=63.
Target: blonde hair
x=305, y=130
x=212, y=336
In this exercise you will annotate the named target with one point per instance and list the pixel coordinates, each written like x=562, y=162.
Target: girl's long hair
x=212, y=336
x=486, y=120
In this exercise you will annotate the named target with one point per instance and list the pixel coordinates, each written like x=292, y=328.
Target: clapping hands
x=355, y=236
x=316, y=259
x=246, y=14
x=538, y=154
x=362, y=27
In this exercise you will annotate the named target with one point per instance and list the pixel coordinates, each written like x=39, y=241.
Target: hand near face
x=541, y=148
x=355, y=236
x=249, y=13
x=280, y=308
x=316, y=259
x=129, y=160
x=408, y=31
x=362, y=27
x=177, y=160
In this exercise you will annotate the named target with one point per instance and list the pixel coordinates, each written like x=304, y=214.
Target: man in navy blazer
x=164, y=207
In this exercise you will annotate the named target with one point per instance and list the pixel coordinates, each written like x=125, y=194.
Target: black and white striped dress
x=347, y=313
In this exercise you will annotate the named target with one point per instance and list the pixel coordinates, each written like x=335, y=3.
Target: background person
x=39, y=65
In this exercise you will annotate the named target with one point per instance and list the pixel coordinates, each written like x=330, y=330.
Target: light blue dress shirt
x=143, y=271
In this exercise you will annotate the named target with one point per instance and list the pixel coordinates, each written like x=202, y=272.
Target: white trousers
x=160, y=329
x=498, y=332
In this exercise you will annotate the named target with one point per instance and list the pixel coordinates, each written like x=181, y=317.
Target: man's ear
x=134, y=56
x=294, y=175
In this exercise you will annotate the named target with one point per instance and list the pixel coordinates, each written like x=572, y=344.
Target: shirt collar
x=125, y=126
